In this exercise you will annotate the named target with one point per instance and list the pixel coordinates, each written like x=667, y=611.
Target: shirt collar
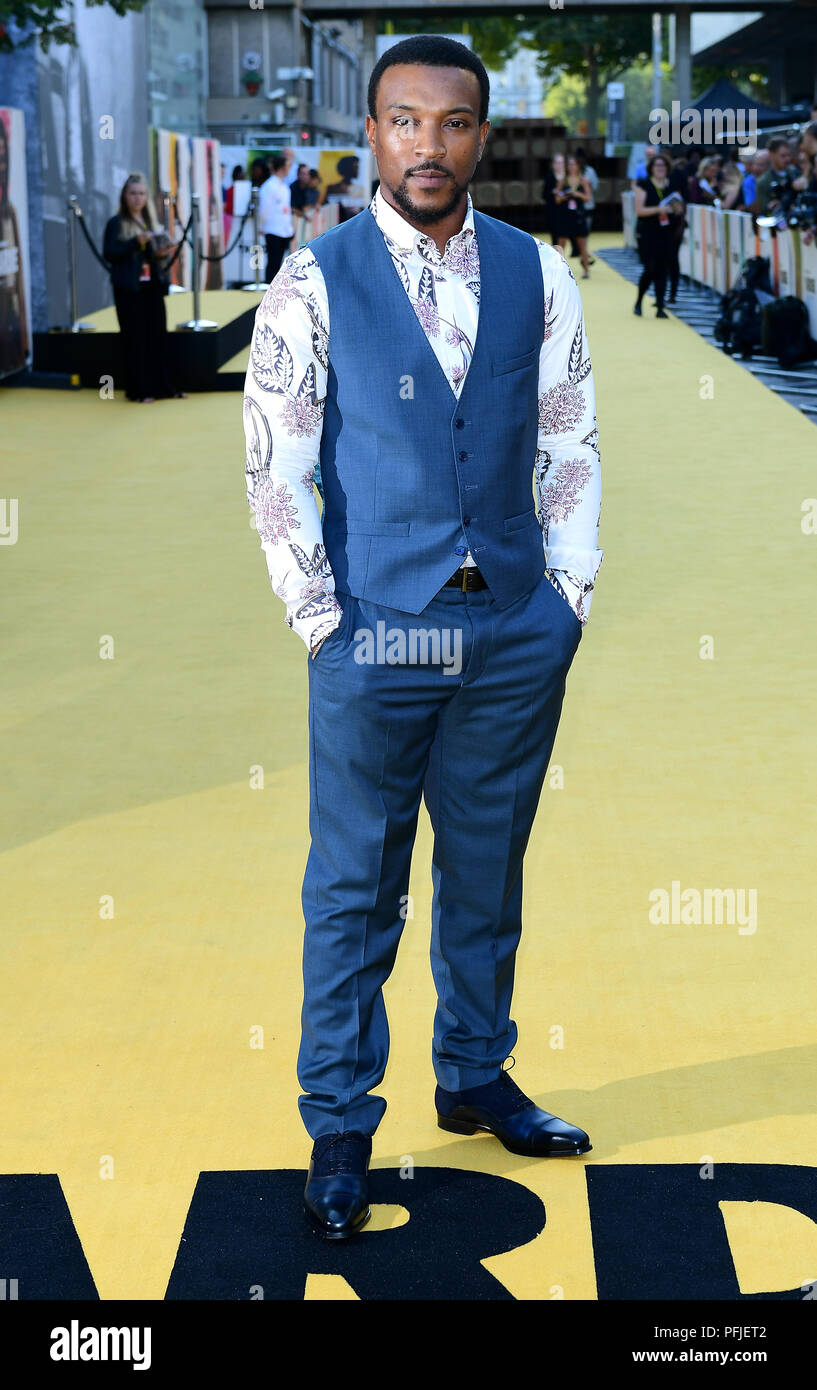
x=395, y=226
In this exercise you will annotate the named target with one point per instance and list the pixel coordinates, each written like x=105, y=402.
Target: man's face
x=760, y=163
x=427, y=138
x=780, y=158
x=303, y=175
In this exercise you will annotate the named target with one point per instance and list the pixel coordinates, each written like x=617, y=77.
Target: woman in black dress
x=656, y=230
x=553, y=210
x=571, y=193
x=137, y=250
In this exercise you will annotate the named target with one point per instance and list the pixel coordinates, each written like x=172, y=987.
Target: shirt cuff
x=574, y=560
x=313, y=627
x=575, y=590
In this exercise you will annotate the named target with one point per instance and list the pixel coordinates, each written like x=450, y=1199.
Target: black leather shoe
x=336, y=1196
x=502, y=1109
x=637, y=310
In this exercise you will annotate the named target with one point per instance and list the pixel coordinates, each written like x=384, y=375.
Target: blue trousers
x=466, y=716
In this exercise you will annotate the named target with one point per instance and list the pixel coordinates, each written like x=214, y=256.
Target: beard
x=427, y=217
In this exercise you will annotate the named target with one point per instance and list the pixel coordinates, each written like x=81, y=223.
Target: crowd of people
x=733, y=180
x=763, y=182
x=282, y=200
x=760, y=182
x=287, y=200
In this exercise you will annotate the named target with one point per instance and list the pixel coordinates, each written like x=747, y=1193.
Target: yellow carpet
x=152, y=890
x=219, y=305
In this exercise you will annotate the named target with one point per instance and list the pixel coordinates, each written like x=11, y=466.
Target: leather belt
x=467, y=578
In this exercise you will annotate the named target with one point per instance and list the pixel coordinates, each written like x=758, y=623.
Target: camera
x=781, y=190
x=802, y=212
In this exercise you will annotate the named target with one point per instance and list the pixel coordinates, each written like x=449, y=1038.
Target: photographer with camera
x=137, y=249
x=802, y=211
x=807, y=160
x=775, y=189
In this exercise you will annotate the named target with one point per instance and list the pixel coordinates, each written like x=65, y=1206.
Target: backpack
x=785, y=330
x=739, y=328
x=755, y=275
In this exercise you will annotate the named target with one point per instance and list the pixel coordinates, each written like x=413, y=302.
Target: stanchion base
x=255, y=287
x=196, y=326
x=82, y=328
x=178, y=289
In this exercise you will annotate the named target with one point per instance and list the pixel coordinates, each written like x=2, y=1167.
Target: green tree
x=596, y=48
x=495, y=37
x=23, y=22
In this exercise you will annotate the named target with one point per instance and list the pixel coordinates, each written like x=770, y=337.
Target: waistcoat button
x=460, y=550
x=459, y=422
x=462, y=455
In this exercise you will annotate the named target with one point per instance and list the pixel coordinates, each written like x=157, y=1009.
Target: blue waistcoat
x=414, y=476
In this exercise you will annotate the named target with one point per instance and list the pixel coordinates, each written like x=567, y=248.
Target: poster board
x=15, y=274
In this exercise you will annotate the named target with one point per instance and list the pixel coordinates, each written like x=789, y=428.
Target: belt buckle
x=465, y=572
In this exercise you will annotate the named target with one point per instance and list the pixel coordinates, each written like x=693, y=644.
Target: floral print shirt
x=285, y=393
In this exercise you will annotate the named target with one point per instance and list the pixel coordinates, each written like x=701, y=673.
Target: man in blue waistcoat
x=431, y=361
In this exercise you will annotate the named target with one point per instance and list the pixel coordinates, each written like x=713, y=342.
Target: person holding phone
x=571, y=194
x=138, y=250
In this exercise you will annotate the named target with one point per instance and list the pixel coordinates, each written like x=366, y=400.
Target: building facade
x=276, y=76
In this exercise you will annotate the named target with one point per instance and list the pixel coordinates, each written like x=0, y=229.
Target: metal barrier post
x=167, y=202
x=197, y=324
x=73, y=213
x=256, y=285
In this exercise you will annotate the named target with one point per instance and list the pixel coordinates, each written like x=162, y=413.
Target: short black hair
x=432, y=50
x=277, y=162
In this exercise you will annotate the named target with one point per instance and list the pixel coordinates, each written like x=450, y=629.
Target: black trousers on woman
x=674, y=264
x=657, y=259
x=143, y=341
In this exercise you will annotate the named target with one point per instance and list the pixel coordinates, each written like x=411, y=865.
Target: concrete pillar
x=371, y=25
x=683, y=57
